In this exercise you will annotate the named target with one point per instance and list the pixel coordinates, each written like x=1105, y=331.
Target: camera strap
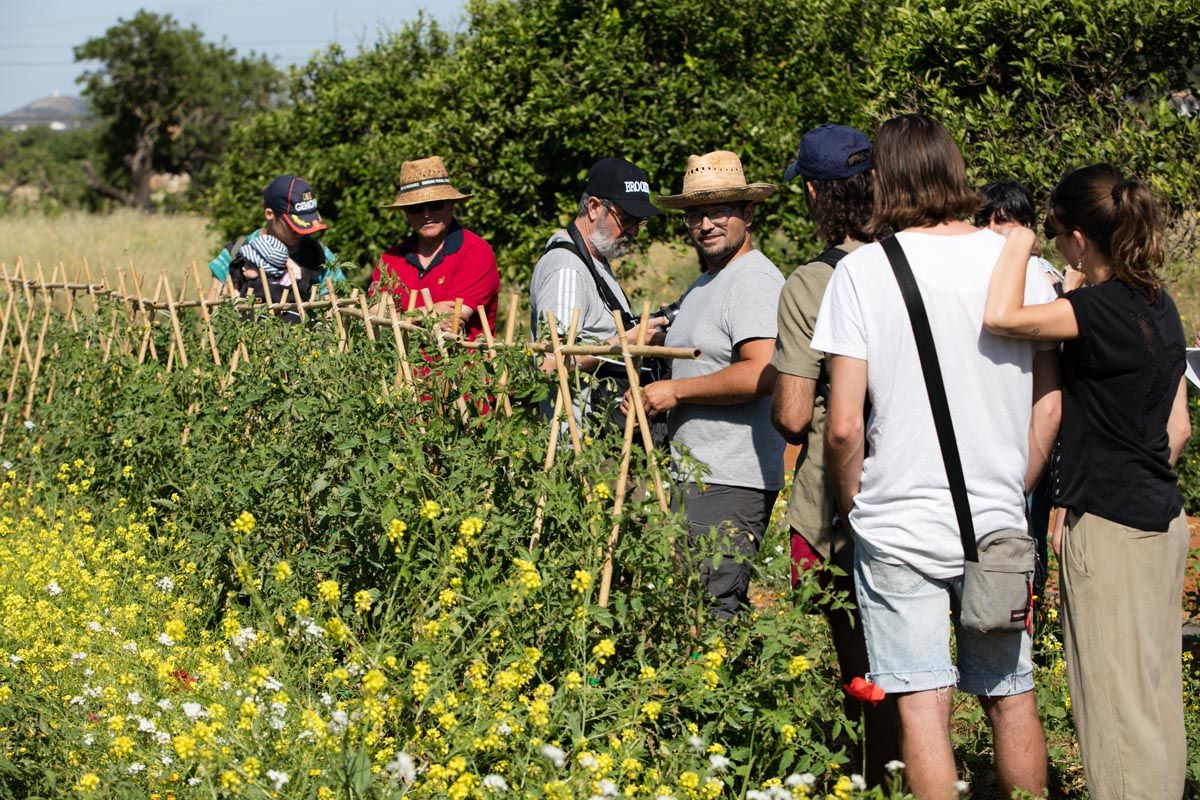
x=577, y=247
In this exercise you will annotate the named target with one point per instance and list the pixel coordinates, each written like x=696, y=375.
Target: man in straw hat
x=574, y=271
x=292, y=219
x=720, y=404
x=440, y=255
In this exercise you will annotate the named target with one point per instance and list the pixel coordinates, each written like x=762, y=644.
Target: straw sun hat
x=424, y=181
x=715, y=177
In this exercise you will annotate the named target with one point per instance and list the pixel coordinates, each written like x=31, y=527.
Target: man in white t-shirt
x=890, y=479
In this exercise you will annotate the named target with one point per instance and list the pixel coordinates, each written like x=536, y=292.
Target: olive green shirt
x=813, y=507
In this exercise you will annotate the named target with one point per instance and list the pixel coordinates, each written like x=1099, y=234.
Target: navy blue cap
x=624, y=183
x=292, y=198
x=826, y=154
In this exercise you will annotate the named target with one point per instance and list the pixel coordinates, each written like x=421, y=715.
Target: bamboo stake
x=564, y=382
x=262, y=277
x=183, y=360
x=296, y=297
x=510, y=326
x=71, y=297
x=48, y=299
x=439, y=339
x=622, y=479
x=343, y=341
x=362, y=302
x=205, y=319
x=148, y=323
x=562, y=402
x=487, y=337
x=403, y=369
x=635, y=388
x=456, y=317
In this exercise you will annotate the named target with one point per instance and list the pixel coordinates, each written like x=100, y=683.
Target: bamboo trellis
x=124, y=318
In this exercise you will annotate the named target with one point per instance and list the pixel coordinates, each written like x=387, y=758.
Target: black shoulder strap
x=831, y=256
x=576, y=248
x=936, y=389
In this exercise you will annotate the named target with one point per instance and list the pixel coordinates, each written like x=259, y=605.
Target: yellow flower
x=527, y=575
x=470, y=527
x=362, y=601
x=283, y=571
x=395, y=531
x=128, y=443
x=447, y=598
x=175, y=629
x=373, y=682
x=842, y=789
x=458, y=554
x=230, y=780
x=87, y=784
x=651, y=709
x=647, y=673
x=798, y=666
x=121, y=746
x=602, y=491
x=244, y=523
x=430, y=509
x=184, y=745
x=301, y=607
x=788, y=732
x=603, y=650
x=582, y=581
x=336, y=630
x=573, y=680
x=329, y=591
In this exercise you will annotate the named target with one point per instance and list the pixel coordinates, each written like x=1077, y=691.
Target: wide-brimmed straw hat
x=424, y=181
x=715, y=177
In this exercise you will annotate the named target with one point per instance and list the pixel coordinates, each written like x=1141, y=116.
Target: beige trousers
x=1122, y=600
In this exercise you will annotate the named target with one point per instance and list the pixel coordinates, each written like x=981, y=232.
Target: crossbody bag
x=997, y=592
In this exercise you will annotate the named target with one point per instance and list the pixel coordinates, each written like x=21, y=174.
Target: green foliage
x=1034, y=89
x=48, y=162
x=534, y=91
x=328, y=461
x=166, y=99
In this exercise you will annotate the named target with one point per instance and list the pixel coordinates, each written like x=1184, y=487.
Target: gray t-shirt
x=561, y=283
x=718, y=313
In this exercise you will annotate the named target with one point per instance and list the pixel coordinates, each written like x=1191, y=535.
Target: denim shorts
x=907, y=618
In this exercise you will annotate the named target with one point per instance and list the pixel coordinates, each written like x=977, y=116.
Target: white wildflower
x=78, y=656
x=858, y=782
x=194, y=781
x=88, y=739
x=719, y=762
x=6, y=466
x=504, y=729
x=94, y=626
x=277, y=778
x=962, y=787
x=165, y=704
x=193, y=710
x=54, y=589
x=607, y=788
x=495, y=783
x=894, y=766
x=28, y=424
x=162, y=738
x=554, y=754
x=403, y=768
x=805, y=781
x=696, y=743
x=130, y=647
x=134, y=698
x=588, y=760
x=165, y=584
x=146, y=725
x=135, y=768
x=166, y=760
x=165, y=641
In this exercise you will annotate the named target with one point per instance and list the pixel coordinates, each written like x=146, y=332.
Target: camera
x=667, y=312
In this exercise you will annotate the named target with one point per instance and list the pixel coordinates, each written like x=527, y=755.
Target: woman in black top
x=1124, y=422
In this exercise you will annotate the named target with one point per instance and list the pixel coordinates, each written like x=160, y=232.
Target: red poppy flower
x=185, y=680
x=863, y=689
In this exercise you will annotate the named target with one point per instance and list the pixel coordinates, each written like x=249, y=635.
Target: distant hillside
x=57, y=112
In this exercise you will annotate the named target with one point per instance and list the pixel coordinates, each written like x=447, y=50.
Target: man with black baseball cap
x=290, y=209
x=574, y=272
x=834, y=162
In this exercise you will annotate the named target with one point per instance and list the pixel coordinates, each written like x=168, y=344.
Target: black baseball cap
x=624, y=183
x=292, y=198
x=827, y=154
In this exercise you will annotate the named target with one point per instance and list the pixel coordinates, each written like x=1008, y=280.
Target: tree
x=166, y=99
x=534, y=91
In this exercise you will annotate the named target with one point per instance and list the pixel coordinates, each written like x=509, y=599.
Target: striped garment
x=267, y=253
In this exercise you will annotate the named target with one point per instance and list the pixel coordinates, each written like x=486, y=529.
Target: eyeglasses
x=624, y=221
x=717, y=215
x=421, y=208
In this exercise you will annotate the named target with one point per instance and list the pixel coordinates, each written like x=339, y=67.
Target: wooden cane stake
x=635, y=389
x=205, y=319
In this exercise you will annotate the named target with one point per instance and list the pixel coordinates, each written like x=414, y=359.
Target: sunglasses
x=421, y=208
x=718, y=215
x=623, y=220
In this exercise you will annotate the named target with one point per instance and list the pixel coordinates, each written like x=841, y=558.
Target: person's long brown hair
x=1120, y=217
x=920, y=178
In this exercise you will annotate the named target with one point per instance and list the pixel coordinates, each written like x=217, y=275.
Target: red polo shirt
x=465, y=268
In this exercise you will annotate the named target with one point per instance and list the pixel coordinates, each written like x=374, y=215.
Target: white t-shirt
x=904, y=513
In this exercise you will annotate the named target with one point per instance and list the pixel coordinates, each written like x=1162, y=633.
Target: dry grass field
x=659, y=273
x=153, y=242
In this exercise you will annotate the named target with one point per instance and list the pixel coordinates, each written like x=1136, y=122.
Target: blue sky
x=37, y=36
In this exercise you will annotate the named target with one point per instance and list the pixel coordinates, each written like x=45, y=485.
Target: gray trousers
x=729, y=521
